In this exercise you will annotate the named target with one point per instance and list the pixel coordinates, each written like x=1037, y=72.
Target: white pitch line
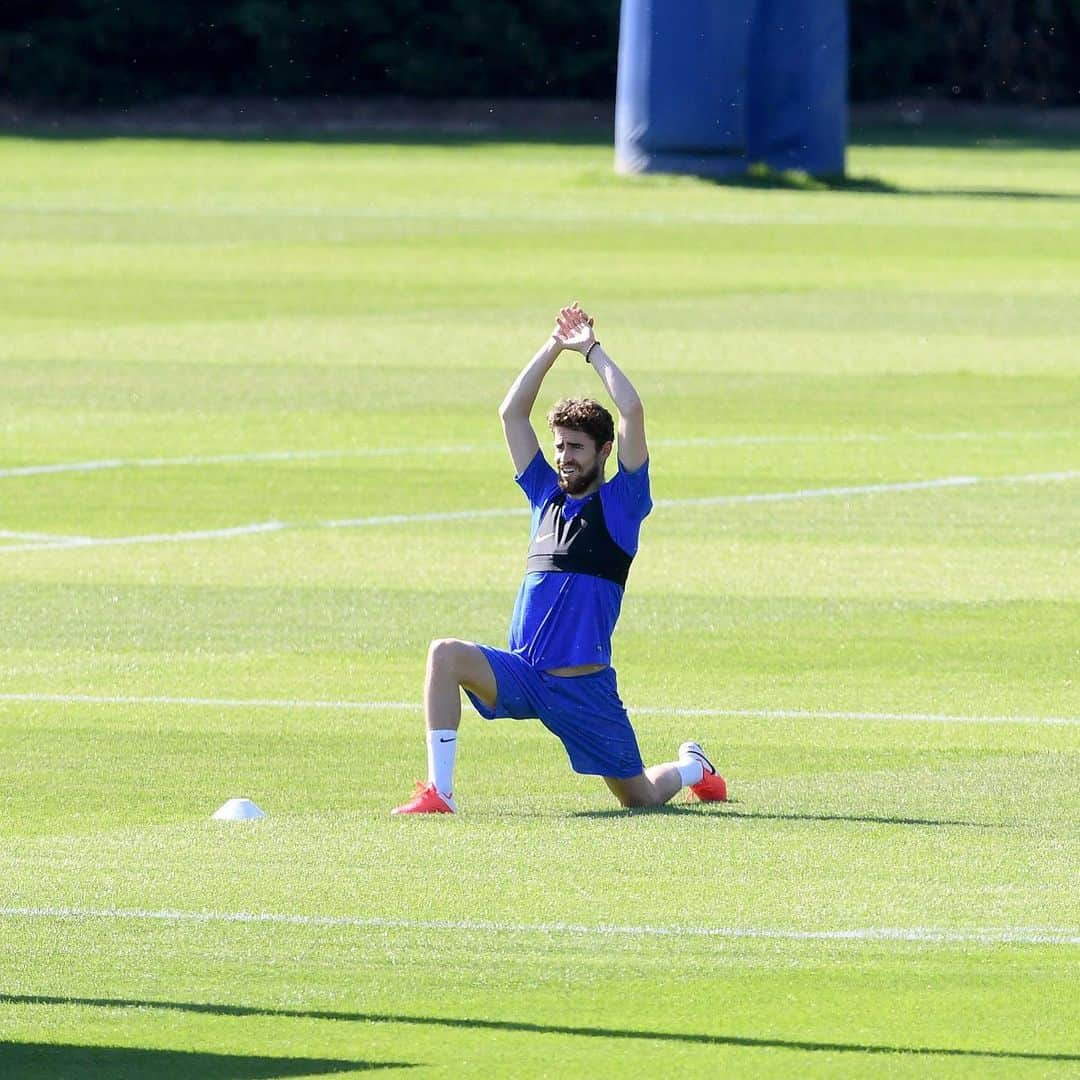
x=107, y=464
x=1008, y=935
x=1041, y=478
x=261, y=457
x=63, y=467
x=857, y=437
x=644, y=710
x=717, y=500
x=818, y=493
x=470, y=515
x=881, y=717
x=7, y=534
x=216, y=703
x=150, y=538
x=405, y=519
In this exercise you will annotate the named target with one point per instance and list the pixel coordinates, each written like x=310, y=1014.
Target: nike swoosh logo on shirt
x=546, y=536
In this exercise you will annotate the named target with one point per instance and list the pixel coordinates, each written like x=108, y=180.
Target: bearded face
x=578, y=461
x=575, y=481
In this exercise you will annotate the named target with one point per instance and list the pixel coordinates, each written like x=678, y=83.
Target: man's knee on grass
x=636, y=792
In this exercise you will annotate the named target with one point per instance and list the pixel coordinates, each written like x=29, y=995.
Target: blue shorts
x=583, y=710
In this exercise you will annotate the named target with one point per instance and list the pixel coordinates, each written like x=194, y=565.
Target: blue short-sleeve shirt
x=566, y=619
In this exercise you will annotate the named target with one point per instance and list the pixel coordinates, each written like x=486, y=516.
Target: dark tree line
x=977, y=50
x=123, y=51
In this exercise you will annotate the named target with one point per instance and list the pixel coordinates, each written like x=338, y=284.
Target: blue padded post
x=797, y=91
x=680, y=103
x=706, y=87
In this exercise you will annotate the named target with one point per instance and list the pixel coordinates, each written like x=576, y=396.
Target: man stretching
x=584, y=536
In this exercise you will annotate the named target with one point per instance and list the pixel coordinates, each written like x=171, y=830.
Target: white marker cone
x=238, y=810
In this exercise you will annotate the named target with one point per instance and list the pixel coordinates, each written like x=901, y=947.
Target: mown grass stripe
x=260, y=457
x=644, y=710
x=466, y=515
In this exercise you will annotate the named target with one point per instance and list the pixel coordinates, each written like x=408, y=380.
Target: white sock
x=441, y=750
x=691, y=771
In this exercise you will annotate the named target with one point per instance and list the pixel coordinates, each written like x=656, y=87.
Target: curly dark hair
x=586, y=415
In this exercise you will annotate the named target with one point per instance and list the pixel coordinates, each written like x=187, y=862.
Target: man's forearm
x=522, y=394
x=618, y=386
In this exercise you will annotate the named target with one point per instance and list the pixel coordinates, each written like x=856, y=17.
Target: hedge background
x=86, y=52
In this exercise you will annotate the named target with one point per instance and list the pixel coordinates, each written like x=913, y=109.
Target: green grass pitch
x=860, y=589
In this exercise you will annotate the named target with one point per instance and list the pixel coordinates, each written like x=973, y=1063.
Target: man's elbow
x=633, y=410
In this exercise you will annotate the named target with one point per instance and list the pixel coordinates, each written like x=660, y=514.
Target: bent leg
x=657, y=785
x=453, y=664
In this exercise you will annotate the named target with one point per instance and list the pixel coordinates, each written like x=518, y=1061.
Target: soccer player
x=584, y=536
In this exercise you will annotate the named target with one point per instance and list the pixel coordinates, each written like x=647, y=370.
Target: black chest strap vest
x=579, y=545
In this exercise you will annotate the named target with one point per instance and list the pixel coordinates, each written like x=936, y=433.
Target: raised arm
x=516, y=407
x=575, y=331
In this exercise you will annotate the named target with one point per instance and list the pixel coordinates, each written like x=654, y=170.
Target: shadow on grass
x=473, y=1023
x=30, y=1061
x=721, y=811
x=764, y=179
